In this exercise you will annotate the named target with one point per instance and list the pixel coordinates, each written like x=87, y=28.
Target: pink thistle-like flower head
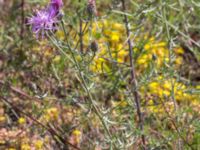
x=46, y=19
x=42, y=22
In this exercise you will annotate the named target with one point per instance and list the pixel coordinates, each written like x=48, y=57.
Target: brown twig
x=22, y=23
x=81, y=31
x=133, y=81
x=20, y=92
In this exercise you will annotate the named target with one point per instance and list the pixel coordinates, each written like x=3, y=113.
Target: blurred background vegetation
x=56, y=95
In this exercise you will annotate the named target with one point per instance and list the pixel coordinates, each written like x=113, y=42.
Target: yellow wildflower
x=22, y=120
x=179, y=50
x=25, y=147
x=51, y=114
x=57, y=59
x=118, y=26
x=76, y=135
x=38, y=144
x=2, y=118
x=114, y=37
x=60, y=34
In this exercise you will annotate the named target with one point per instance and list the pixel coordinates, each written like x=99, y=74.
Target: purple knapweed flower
x=46, y=19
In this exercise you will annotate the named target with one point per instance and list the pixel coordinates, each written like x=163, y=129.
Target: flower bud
x=94, y=46
x=91, y=8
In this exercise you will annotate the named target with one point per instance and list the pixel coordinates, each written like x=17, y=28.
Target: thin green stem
x=85, y=87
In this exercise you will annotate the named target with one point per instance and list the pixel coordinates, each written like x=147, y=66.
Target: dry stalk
x=133, y=81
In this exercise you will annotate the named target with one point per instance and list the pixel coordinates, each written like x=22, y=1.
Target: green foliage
x=56, y=95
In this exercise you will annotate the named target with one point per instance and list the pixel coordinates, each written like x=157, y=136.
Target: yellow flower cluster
x=159, y=94
x=51, y=114
x=22, y=120
x=25, y=147
x=112, y=40
x=111, y=37
x=39, y=144
x=112, y=49
x=156, y=53
x=27, y=144
x=76, y=137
